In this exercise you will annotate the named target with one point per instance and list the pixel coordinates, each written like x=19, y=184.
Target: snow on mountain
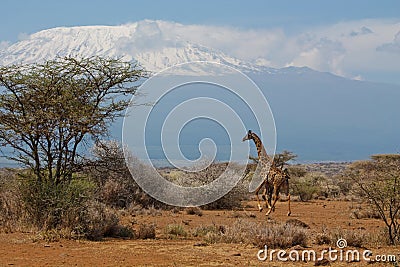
x=149, y=42
x=318, y=115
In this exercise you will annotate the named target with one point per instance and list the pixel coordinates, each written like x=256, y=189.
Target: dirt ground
x=20, y=249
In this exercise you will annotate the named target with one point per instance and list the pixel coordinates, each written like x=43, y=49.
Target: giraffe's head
x=248, y=136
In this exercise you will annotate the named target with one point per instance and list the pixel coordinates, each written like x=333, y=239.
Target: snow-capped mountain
x=148, y=42
x=319, y=116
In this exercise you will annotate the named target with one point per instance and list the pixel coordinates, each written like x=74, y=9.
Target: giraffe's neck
x=262, y=154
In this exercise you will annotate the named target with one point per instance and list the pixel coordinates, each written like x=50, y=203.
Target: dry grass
x=12, y=214
x=273, y=235
x=203, y=231
x=355, y=238
x=173, y=231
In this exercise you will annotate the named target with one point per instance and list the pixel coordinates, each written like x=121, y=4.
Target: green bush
x=308, y=187
x=52, y=205
x=70, y=207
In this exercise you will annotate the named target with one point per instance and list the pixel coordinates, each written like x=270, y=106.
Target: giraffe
x=275, y=179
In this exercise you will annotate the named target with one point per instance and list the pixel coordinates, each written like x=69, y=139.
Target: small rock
x=237, y=255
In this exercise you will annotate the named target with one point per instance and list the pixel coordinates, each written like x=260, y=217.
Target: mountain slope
x=318, y=115
x=146, y=41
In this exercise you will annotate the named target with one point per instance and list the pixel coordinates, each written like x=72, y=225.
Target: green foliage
x=297, y=171
x=308, y=186
x=283, y=158
x=280, y=159
x=48, y=109
x=53, y=205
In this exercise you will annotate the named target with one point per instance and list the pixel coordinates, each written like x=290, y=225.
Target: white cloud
x=362, y=31
x=4, y=45
x=23, y=36
x=324, y=55
x=350, y=48
x=346, y=48
x=392, y=47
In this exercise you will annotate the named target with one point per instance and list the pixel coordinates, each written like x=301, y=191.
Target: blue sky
x=22, y=16
x=311, y=33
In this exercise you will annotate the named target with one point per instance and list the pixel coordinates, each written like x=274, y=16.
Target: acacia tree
x=378, y=181
x=48, y=110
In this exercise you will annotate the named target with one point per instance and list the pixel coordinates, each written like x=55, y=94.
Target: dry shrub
x=12, y=215
x=175, y=230
x=354, y=238
x=136, y=209
x=231, y=200
x=202, y=231
x=210, y=233
x=323, y=239
x=274, y=235
x=115, y=193
x=194, y=211
x=298, y=223
x=379, y=238
x=146, y=231
x=281, y=236
x=115, y=184
x=118, y=189
x=98, y=221
x=364, y=212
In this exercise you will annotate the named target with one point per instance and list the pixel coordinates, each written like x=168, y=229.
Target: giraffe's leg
x=289, y=211
x=260, y=208
x=270, y=199
x=275, y=198
x=269, y=192
x=267, y=195
x=263, y=194
x=286, y=186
